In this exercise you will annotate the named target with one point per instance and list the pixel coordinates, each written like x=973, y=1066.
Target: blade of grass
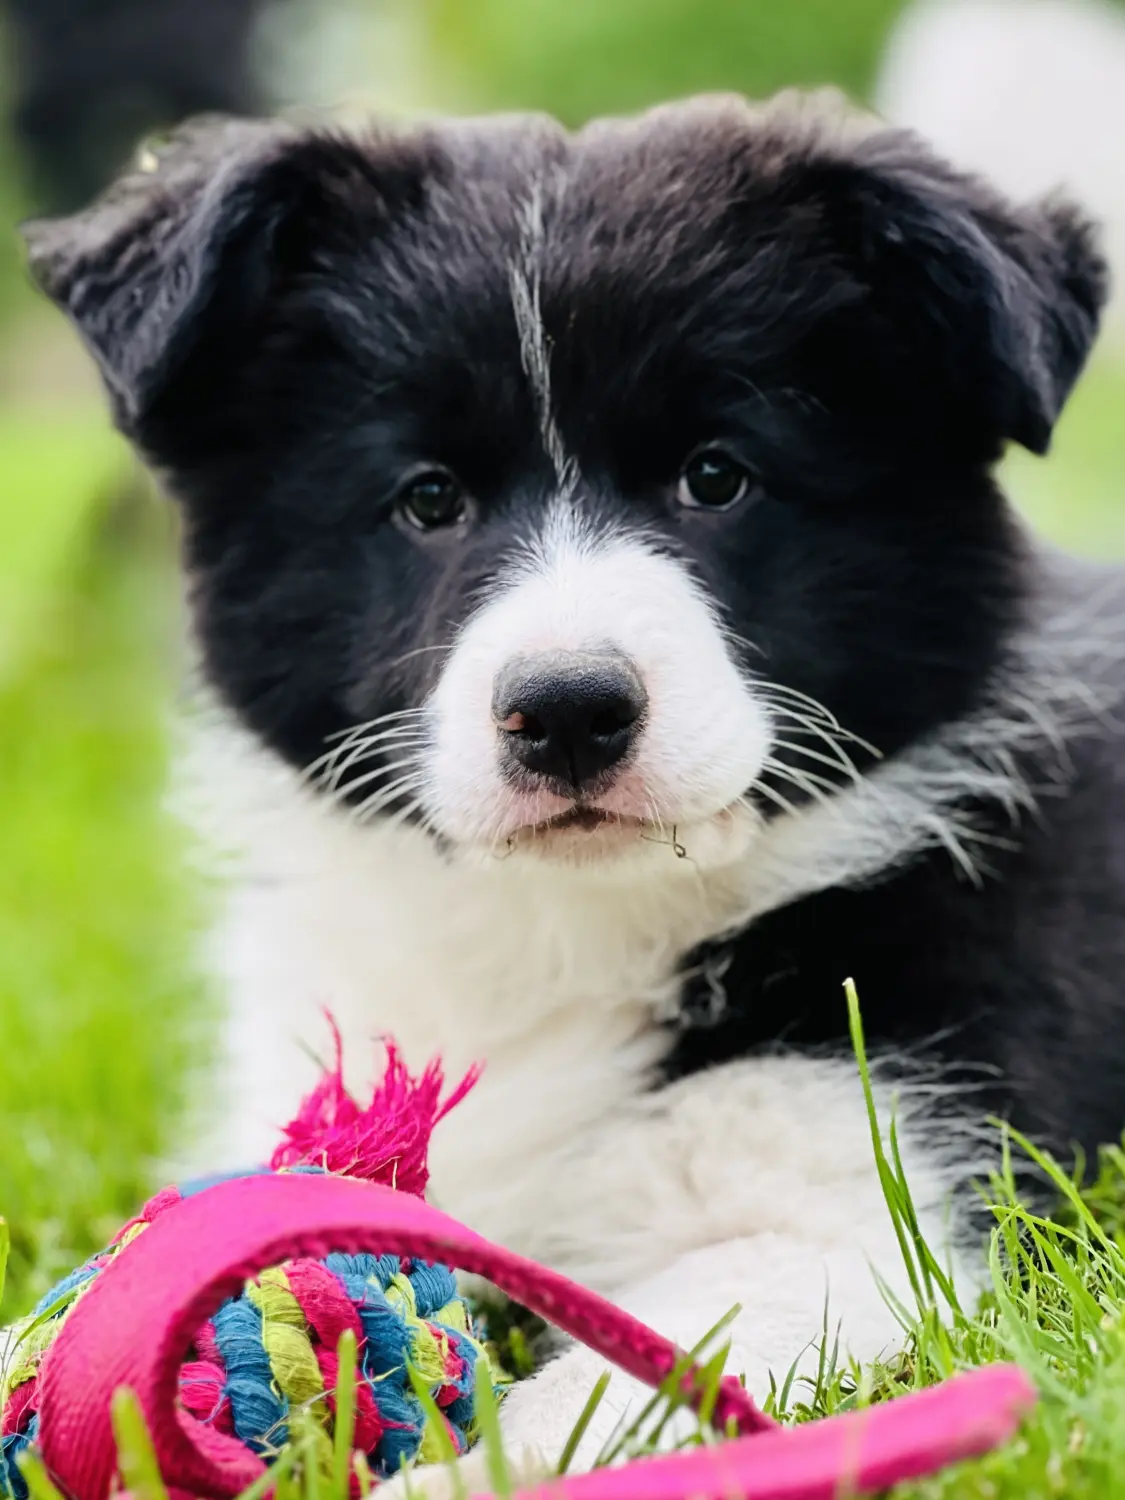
x=585, y=1417
x=287, y=1486
x=274, y=1477
x=1064, y=1184
x=886, y=1177
x=136, y=1456
x=710, y=1383
x=40, y=1486
x=488, y=1419
x=362, y=1471
x=436, y=1423
x=310, y=1441
x=347, y=1353
x=932, y=1271
x=520, y=1358
x=32, y=1324
x=669, y=1392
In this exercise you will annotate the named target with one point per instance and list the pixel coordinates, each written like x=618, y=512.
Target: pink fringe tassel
x=386, y=1142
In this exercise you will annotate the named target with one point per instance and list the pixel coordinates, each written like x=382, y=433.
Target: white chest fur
x=555, y=981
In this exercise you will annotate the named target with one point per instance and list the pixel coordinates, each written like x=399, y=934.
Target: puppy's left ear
x=991, y=309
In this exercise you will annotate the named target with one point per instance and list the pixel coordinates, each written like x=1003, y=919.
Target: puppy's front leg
x=782, y=1287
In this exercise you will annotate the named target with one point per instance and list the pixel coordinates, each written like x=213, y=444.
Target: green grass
x=99, y=1014
x=50, y=475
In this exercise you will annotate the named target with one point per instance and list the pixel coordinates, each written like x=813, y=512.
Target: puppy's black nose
x=569, y=716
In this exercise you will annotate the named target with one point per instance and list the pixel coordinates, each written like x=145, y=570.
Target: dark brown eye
x=712, y=480
x=433, y=499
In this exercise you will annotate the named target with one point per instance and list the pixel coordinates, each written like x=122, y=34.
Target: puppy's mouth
x=584, y=820
x=587, y=819
x=587, y=836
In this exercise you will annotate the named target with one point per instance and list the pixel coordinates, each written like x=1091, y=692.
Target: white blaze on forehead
x=525, y=280
x=577, y=587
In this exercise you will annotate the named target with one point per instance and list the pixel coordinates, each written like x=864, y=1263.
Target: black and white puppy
x=620, y=641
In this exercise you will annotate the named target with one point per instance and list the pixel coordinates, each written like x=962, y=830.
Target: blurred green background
x=105, y=1023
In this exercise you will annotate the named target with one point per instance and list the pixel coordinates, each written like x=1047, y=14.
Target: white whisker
x=415, y=805
x=378, y=773
x=774, y=797
x=358, y=738
x=840, y=762
x=402, y=713
x=389, y=740
x=382, y=798
x=800, y=781
x=831, y=733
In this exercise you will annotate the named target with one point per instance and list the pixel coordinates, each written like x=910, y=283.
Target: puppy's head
x=583, y=493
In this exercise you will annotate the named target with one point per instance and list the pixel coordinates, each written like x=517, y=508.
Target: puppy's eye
x=712, y=480
x=433, y=499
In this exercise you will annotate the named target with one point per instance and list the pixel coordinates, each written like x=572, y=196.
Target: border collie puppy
x=618, y=641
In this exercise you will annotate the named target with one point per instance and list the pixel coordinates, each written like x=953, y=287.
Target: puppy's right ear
x=139, y=271
x=170, y=267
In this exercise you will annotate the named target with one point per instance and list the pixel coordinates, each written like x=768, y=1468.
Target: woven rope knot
x=271, y=1351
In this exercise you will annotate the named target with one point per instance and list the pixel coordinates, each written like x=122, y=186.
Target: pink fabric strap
x=135, y=1324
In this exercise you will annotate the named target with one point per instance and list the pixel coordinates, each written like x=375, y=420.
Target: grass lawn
x=99, y=1013
x=103, y=1022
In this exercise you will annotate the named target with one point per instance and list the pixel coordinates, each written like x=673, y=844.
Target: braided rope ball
x=272, y=1350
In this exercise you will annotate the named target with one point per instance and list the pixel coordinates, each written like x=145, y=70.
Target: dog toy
x=220, y=1307
x=272, y=1348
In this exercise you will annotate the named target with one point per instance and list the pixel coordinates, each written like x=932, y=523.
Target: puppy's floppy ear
x=138, y=270
x=168, y=269
x=990, y=309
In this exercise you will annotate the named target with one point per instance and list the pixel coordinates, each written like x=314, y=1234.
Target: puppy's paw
x=541, y=1413
x=469, y=1476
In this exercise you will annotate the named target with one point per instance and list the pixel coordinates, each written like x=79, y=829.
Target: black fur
x=290, y=321
x=1013, y=984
